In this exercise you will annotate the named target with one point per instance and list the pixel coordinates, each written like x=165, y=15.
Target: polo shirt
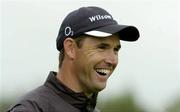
x=54, y=96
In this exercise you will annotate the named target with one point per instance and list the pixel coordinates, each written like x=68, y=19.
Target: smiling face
x=95, y=61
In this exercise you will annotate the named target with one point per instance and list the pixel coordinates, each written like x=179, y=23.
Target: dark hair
x=78, y=40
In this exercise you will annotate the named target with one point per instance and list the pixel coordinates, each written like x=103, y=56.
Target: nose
x=112, y=59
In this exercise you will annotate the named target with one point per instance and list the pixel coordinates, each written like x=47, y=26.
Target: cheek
x=95, y=54
x=86, y=60
x=90, y=55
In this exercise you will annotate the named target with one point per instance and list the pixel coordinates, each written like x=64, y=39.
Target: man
x=88, y=42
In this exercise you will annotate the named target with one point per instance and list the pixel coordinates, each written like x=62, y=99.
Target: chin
x=100, y=88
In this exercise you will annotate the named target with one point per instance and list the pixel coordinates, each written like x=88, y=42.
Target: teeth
x=103, y=71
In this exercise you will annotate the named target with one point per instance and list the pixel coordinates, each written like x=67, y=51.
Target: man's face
x=95, y=61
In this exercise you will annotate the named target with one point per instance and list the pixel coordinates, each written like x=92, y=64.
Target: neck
x=67, y=76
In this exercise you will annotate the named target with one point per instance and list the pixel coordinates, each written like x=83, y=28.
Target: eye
x=116, y=50
x=102, y=47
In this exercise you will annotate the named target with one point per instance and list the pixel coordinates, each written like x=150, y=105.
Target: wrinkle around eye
x=103, y=46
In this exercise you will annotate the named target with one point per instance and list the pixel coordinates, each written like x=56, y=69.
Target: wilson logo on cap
x=99, y=17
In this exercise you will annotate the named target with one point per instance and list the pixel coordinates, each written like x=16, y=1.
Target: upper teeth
x=105, y=71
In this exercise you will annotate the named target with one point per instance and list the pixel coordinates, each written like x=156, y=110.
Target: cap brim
x=127, y=33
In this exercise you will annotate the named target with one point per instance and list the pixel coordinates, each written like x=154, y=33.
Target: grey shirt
x=53, y=96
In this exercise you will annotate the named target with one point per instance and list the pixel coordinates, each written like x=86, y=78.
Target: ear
x=69, y=48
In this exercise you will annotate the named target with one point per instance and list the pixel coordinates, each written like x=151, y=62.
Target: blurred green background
x=122, y=103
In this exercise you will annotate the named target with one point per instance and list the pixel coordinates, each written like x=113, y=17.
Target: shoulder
x=42, y=99
x=35, y=101
x=25, y=106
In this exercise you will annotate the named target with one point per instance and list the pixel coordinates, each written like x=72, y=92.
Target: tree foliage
x=124, y=103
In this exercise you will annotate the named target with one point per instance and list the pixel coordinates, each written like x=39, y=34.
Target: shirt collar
x=78, y=100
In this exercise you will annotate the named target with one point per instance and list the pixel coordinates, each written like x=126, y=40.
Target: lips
x=103, y=72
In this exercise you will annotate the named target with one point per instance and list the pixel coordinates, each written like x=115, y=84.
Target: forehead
x=113, y=40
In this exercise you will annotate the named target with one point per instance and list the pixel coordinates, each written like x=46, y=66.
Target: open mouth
x=103, y=72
